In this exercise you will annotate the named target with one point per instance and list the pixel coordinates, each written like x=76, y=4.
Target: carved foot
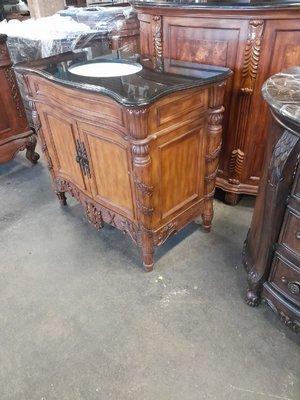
x=232, y=198
x=62, y=198
x=206, y=222
x=31, y=155
x=252, y=298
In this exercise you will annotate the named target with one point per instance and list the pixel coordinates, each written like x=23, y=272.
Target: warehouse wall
x=43, y=8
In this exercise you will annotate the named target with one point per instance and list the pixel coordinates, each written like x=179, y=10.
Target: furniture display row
x=138, y=151
x=272, y=249
x=15, y=134
x=255, y=39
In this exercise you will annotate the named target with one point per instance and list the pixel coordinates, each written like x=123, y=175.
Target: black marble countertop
x=138, y=89
x=226, y=4
x=282, y=92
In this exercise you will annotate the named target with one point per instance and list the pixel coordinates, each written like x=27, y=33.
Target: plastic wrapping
x=120, y=24
x=103, y=19
x=44, y=37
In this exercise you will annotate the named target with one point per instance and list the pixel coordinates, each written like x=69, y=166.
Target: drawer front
x=290, y=236
x=285, y=277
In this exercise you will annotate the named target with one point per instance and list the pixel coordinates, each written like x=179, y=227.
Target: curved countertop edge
x=205, y=6
x=110, y=93
x=280, y=106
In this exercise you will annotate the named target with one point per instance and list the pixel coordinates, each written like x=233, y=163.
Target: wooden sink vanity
x=139, y=152
x=254, y=38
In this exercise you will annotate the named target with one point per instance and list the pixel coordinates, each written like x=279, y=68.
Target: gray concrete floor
x=80, y=319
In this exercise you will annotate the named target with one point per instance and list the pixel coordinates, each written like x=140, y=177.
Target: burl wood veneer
x=147, y=170
x=15, y=135
x=254, y=40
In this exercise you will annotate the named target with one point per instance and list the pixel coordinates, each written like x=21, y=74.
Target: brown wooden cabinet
x=15, y=135
x=272, y=249
x=146, y=169
x=255, y=43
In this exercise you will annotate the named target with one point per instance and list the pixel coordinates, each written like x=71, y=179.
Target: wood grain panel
x=179, y=170
x=110, y=168
x=107, y=109
x=60, y=137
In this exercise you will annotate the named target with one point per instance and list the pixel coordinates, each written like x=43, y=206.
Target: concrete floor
x=80, y=319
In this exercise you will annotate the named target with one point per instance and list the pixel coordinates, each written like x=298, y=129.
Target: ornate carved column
x=142, y=179
x=249, y=74
x=157, y=43
x=214, y=133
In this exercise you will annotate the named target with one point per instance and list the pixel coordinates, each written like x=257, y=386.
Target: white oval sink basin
x=105, y=69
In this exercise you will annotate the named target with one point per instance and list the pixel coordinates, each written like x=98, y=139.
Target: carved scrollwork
x=93, y=215
x=280, y=155
x=128, y=228
x=144, y=209
x=14, y=90
x=142, y=187
x=157, y=42
x=165, y=233
x=292, y=324
x=66, y=186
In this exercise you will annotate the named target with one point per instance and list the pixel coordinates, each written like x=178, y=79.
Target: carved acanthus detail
x=65, y=186
x=141, y=186
x=165, y=233
x=144, y=209
x=280, y=155
x=94, y=215
x=129, y=229
x=157, y=42
x=251, y=55
x=249, y=74
x=236, y=166
x=14, y=90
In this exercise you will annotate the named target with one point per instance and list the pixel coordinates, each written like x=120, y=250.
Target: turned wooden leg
x=207, y=215
x=31, y=155
x=147, y=248
x=232, y=198
x=62, y=198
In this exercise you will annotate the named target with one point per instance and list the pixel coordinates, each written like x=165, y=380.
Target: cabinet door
x=110, y=168
x=61, y=136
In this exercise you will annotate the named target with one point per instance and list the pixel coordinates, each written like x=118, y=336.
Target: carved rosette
x=157, y=43
x=248, y=79
x=14, y=90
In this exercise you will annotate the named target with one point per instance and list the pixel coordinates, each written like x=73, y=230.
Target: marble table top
x=282, y=92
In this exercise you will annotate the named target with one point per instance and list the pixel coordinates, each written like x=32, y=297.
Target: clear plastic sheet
x=103, y=19
x=44, y=37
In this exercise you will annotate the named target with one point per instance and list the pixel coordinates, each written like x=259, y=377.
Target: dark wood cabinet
x=15, y=134
x=272, y=249
x=254, y=43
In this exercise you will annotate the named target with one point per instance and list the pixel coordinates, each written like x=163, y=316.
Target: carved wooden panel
x=110, y=167
x=200, y=40
x=59, y=132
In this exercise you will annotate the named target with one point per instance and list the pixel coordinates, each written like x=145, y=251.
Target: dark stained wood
x=15, y=134
x=147, y=171
x=272, y=248
x=255, y=44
